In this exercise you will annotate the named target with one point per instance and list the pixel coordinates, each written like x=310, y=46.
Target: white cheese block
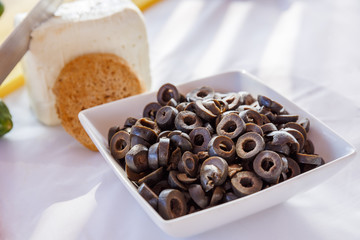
x=78, y=28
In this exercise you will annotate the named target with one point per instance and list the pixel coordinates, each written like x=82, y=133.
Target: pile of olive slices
x=196, y=151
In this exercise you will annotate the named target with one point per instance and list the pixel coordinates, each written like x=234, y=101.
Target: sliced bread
x=91, y=80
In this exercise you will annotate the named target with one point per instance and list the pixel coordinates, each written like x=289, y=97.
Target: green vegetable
x=1, y=8
x=5, y=119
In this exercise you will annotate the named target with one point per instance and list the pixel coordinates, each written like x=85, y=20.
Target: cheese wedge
x=79, y=28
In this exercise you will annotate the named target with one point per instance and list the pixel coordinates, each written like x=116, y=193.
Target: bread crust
x=90, y=80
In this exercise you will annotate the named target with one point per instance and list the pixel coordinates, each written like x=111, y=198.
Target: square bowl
x=335, y=151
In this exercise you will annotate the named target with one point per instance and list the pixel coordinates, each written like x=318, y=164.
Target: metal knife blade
x=17, y=43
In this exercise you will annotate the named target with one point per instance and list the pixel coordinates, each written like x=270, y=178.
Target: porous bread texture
x=91, y=80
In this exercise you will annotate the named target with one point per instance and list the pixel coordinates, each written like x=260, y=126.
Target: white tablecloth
x=53, y=188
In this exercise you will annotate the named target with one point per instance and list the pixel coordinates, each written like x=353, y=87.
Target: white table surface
x=53, y=188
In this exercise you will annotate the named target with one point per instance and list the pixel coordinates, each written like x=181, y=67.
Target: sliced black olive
x=186, y=121
x=164, y=151
x=217, y=195
x=219, y=95
x=148, y=195
x=297, y=134
x=283, y=177
x=264, y=101
x=130, y=121
x=233, y=100
x=174, y=160
x=201, y=93
x=284, y=138
x=182, y=98
x=180, y=133
x=268, y=127
x=263, y=110
x=279, y=119
x=148, y=134
x=111, y=132
x=231, y=125
x=274, y=106
x=174, y=181
x=164, y=134
x=134, y=176
x=249, y=144
x=120, y=144
x=227, y=185
x=203, y=112
x=277, y=108
x=151, y=109
x=175, y=132
x=167, y=92
x=265, y=119
x=172, y=204
x=163, y=184
x=181, y=106
x=246, y=98
x=283, y=149
x=293, y=168
x=153, y=156
x=209, y=127
x=309, y=147
x=137, y=158
x=268, y=165
x=193, y=208
x=190, y=162
x=245, y=183
x=134, y=140
x=198, y=195
x=221, y=105
x=311, y=159
x=246, y=164
x=187, y=197
x=230, y=196
x=152, y=178
x=297, y=127
x=182, y=141
x=307, y=167
x=233, y=169
x=127, y=129
x=213, y=172
x=172, y=102
x=147, y=122
x=270, y=116
x=165, y=117
x=221, y=116
x=190, y=107
x=251, y=115
x=285, y=163
x=203, y=155
x=305, y=123
x=184, y=178
x=200, y=138
x=223, y=147
x=243, y=108
x=252, y=127
x=215, y=106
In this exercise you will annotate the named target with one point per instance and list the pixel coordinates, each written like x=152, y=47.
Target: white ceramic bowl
x=334, y=149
